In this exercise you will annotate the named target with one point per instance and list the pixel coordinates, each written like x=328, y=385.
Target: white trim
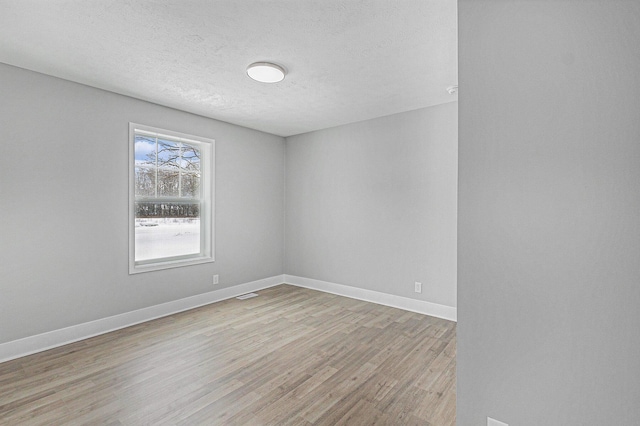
x=494, y=422
x=413, y=305
x=53, y=339
x=175, y=263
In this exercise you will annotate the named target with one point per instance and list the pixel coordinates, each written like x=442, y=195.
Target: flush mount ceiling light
x=266, y=72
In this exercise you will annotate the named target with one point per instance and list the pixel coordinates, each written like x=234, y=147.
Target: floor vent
x=247, y=296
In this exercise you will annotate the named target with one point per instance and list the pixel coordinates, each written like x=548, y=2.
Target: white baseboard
x=413, y=305
x=53, y=339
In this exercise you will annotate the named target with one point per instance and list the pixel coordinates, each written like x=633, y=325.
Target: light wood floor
x=291, y=356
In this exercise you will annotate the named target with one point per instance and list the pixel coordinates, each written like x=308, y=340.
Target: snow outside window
x=171, y=199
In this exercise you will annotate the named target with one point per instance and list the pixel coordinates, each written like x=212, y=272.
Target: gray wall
x=549, y=213
x=373, y=204
x=63, y=205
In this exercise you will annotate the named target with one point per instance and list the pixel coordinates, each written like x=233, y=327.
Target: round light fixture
x=266, y=72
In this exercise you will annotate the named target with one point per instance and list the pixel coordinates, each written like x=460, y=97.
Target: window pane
x=145, y=150
x=166, y=230
x=168, y=183
x=190, y=158
x=169, y=154
x=191, y=185
x=145, y=182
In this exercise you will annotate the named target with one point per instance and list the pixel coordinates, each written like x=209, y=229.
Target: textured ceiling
x=347, y=60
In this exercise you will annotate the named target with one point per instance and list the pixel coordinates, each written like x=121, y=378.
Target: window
x=170, y=199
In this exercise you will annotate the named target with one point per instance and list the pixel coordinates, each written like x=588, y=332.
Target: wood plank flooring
x=291, y=356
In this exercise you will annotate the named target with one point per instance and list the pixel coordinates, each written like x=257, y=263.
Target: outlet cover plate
x=215, y=279
x=418, y=287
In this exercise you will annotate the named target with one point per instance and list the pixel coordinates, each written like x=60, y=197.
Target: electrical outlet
x=215, y=279
x=418, y=288
x=494, y=422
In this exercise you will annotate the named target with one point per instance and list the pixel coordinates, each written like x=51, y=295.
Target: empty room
x=343, y=212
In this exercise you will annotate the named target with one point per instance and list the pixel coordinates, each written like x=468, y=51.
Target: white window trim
x=207, y=216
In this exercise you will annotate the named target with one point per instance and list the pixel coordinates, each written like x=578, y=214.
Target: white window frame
x=207, y=179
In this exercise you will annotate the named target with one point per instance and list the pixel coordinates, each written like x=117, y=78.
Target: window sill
x=158, y=266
